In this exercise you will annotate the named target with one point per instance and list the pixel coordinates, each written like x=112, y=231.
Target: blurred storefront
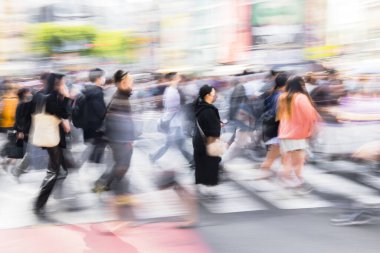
x=203, y=33
x=197, y=34
x=277, y=31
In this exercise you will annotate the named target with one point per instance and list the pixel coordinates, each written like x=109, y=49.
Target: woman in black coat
x=55, y=96
x=207, y=116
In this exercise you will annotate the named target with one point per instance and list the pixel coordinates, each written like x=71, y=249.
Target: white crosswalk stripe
x=336, y=184
x=273, y=192
x=242, y=194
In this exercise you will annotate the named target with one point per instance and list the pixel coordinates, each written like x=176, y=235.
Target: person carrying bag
x=45, y=129
x=49, y=108
x=215, y=148
x=208, y=148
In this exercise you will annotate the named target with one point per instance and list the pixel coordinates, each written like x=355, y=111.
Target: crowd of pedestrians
x=281, y=115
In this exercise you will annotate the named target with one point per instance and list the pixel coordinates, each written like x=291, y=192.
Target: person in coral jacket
x=298, y=118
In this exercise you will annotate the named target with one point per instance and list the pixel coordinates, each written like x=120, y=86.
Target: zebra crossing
x=238, y=194
x=241, y=192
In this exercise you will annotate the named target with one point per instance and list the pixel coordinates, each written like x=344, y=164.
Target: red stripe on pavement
x=92, y=238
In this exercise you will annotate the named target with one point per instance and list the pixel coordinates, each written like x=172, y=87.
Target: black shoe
x=39, y=212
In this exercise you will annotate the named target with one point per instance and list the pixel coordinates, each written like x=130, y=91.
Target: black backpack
x=80, y=111
x=268, y=119
x=189, y=119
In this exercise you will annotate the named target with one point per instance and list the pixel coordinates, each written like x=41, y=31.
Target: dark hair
x=7, y=85
x=170, y=76
x=203, y=91
x=95, y=74
x=52, y=81
x=44, y=76
x=21, y=93
x=294, y=85
x=109, y=81
x=331, y=71
x=280, y=80
x=119, y=75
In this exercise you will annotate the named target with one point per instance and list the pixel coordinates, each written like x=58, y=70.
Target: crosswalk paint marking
x=158, y=204
x=336, y=184
x=284, y=198
x=230, y=199
x=274, y=193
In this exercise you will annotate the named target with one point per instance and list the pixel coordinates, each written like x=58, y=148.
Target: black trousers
x=114, y=177
x=53, y=174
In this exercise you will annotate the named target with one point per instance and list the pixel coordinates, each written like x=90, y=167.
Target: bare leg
x=272, y=154
x=191, y=204
x=298, y=160
x=287, y=165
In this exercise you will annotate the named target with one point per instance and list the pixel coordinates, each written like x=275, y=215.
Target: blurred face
x=211, y=97
x=177, y=78
x=102, y=80
x=126, y=85
x=60, y=84
x=28, y=96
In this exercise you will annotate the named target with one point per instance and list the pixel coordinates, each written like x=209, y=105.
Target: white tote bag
x=216, y=148
x=45, y=130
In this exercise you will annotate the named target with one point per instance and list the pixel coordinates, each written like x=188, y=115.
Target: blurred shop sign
x=277, y=56
x=278, y=22
x=320, y=52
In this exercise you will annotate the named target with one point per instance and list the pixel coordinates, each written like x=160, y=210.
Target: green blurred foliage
x=48, y=39
x=114, y=44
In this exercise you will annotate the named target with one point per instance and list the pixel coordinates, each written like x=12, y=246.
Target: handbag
x=14, y=148
x=164, y=125
x=45, y=129
x=216, y=148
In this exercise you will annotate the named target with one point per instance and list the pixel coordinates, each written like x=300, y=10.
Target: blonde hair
x=295, y=85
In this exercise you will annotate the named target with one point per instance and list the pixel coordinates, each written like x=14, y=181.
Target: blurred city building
x=187, y=34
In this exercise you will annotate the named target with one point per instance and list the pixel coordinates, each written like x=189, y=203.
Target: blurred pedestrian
x=55, y=100
x=269, y=81
x=22, y=127
x=270, y=126
x=172, y=120
x=9, y=103
x=120, y=134
x=298, y=118
x=8, y=106
x=208, y=120
x=369, y=154
x=242, y=118
x=89, y=110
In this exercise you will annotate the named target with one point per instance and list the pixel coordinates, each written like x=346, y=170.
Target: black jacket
x=208, y=118
x=22, y=124
x=55, y=105
x=96, y=110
